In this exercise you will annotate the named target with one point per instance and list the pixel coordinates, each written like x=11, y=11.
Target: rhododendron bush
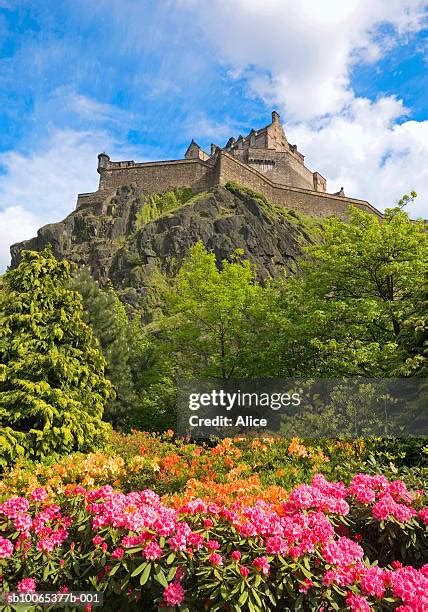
x=223, y=470
x=327, y=546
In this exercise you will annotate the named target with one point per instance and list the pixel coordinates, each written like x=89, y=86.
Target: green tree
x=52, y=385
x=106, y=314
x=208, y=327
x=345, y=314
x=413, y=337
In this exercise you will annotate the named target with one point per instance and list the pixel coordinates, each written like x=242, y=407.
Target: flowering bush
x=302, y=553
x=259, y=468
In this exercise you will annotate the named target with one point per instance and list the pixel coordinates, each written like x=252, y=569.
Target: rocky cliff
x=116, y=246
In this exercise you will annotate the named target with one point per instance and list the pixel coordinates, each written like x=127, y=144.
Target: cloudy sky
x=139, y=78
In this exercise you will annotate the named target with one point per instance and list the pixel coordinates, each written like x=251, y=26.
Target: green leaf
x=145, y=575
x=160, y=577
x=140, y=568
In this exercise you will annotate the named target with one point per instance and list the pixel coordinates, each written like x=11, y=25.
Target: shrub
x=159, y=204
x=246, y=468
x=143, y=554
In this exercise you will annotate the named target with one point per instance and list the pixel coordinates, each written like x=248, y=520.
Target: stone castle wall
x=150, y=177
x=286, y=169
x=153, y=177
x=310, y=202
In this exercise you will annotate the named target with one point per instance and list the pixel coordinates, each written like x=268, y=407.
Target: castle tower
x=276, y=138
x=194, y=151
x=103, y=162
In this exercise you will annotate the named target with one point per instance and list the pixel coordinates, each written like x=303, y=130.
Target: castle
x=263, y=160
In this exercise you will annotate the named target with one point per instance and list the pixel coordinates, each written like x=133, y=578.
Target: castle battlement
x=263, y=160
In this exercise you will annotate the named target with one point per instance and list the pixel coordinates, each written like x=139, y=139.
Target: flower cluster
x=389, y=499
x=48, y=526
x=140, y=460
x=177, y=554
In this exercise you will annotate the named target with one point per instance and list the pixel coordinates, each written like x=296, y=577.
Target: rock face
x=223, y=219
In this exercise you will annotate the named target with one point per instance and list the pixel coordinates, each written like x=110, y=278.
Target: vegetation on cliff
x=124, y=243
x=158, y=204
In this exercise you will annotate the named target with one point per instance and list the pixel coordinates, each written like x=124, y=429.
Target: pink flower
x=14, y=506
x=373, y=582
x=276, y=545
x=39, y=494
x=213, y=545
x=117, y=553
x=262, y=564
x=357, y=603
x=195, y=540
x=342, y=552
x=174, y=594
x=97, y=540
x=244, y=571
x=216, y=559
x=306, y=585
x=236, y=555
x=387, y=506
x=398, y=490
x=178, y=542
x=6, y=548
x=321, y=495
x=27, y=585
x=423, y=515
x=22, y=522
x=152, y=551
x=411, y=585
x=208, y=523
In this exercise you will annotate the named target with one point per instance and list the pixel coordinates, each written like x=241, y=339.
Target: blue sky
x=139, y=79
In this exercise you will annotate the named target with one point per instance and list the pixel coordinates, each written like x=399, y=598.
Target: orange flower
x=296, y=448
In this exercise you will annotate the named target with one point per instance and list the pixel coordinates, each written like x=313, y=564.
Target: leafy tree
x=346, y=313
x=52, y=385
x=413, y=337
x=106, y=314
x=209, y=318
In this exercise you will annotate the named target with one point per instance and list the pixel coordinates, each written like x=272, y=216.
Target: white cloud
x=299, y=54
x=41, y=187
x=365, y=150
x=89, y=108
x=201, y=127
x=16, y=224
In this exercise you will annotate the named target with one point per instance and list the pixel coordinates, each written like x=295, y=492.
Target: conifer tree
x=52, y=384
x=106, y=314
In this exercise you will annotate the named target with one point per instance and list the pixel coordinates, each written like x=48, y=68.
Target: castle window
x=264, y=165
